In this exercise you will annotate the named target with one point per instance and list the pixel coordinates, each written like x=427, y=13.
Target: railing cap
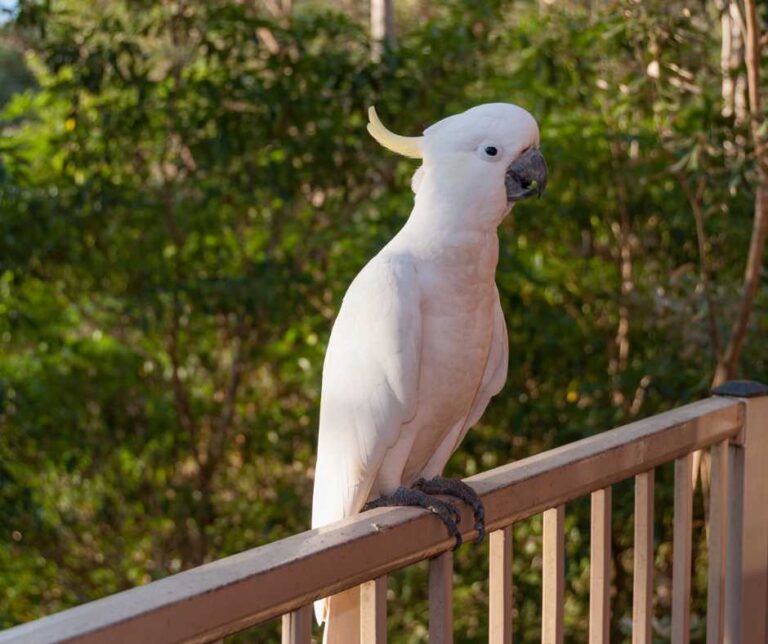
x=741, y=389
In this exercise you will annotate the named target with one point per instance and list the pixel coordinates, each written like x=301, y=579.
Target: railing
x=206, y=603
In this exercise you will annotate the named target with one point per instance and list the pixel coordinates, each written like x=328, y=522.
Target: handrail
x=234, y=593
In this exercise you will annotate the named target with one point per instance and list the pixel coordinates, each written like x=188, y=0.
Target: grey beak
x=526, y=176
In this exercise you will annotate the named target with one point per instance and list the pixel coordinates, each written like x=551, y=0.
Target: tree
x=382, y=26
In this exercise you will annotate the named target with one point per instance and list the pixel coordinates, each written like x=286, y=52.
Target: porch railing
x=283, y=578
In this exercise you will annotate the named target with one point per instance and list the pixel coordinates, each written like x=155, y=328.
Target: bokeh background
x=187, y=188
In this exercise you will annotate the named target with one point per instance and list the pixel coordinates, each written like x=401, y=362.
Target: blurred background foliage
x=186, y=190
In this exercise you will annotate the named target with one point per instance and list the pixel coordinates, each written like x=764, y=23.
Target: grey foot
x=460, y=490
x=403, y=496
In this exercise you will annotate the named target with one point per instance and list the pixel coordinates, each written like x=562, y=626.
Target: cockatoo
x=420, y=345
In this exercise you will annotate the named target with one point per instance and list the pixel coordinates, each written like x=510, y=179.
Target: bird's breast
x=456, y=342
x=457, y=328
x=457, y=333
x=457, y=319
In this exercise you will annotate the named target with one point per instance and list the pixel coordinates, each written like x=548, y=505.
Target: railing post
x=297, y=626
x=718, y=526
x=441, y=598
x=746, y=610
x=642, y=591
x=600, y=567
x=500, y=587
x=682, y=550
x=553, y=576
x=373, y=613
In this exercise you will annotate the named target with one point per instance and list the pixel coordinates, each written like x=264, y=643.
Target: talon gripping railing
x=283, y=578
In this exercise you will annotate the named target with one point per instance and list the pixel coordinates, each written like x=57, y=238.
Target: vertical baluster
x=441, y=598
x=733, y=551
x=553, y=582
x=500, y=587
x=718, y=499
x=642, y=592
x=681, y=550
x=297, y=626
x=373, y=611
x=600, y=568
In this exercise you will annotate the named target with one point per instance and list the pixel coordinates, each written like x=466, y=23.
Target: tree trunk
x=382, y=26
x=727, y=362
x=734, y=82
x=726, y=366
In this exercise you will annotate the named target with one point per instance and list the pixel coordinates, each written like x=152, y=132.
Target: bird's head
x=486, y=158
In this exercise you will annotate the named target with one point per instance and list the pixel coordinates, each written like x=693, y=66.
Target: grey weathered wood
x=642, y=591
x=600, y=568
x=681, y=550
x=297, y=626
x=500, y=587
x=373, y=611
x=441, y=598
x=237, y=592
x=553, y=576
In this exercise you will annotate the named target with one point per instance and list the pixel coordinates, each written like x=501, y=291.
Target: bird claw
x=443, y=510
x=460, y=490
x=403, y=496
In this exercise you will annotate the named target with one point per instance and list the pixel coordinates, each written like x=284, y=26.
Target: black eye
x=491, y=151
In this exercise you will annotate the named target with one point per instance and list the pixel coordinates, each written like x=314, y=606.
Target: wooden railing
x=211, y=601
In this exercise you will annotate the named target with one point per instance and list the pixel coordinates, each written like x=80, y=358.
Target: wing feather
x=370, y=382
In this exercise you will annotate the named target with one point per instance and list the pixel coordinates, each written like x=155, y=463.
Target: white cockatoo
x=420, y=344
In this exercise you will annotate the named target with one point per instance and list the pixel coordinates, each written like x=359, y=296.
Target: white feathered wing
x=369, y=390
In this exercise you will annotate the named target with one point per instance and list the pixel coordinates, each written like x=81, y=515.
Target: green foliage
x=14, y=76
x=187, y=192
